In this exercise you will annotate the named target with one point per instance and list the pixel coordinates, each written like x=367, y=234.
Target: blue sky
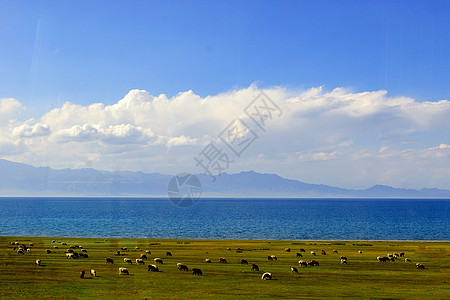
x=361, y=84
x=90, y=51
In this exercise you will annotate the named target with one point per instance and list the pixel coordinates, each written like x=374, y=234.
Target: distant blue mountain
x=20, y=179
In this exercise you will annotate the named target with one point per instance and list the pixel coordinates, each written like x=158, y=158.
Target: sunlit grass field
x=363, y=277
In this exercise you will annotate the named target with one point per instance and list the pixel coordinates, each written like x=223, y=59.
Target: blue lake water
x=293, y=219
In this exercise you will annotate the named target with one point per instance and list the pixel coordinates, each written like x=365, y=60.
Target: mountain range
x=19, y=179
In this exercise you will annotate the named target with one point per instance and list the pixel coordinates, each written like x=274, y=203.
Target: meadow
x=362, y=277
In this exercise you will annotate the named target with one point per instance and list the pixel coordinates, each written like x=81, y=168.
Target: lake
x=290, y=219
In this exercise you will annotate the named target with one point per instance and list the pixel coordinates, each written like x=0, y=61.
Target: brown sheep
x=196, y=271
x=302, y=263
x=243, y=262
x=109, y=260
x=299, y=255
x=420, y=266
x=82, y=274
x=255, y=267
x=222, y=260
x=182, y=267
x=153, y=268
x=168, y=254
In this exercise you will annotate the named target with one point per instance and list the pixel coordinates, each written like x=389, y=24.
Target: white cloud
x=333, y=137
x=181, y=141
x=29, y=131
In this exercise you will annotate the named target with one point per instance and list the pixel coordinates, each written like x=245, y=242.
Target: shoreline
x=241, y=240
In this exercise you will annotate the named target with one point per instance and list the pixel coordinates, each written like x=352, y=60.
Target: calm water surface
x=294, y=219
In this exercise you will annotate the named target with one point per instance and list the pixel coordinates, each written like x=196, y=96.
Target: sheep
x=313, y=253
x=287, y=249
x=243, y=261
x=118, y=253
x=360, y=252
x=153, y=268
x=343, y=257
x=53, y=241
x=29, y=250
x=420, y=266
x=294, y=270
x=20, y=251
x=82, y=274
x=269, y=257
x=127, y=260
x=84, y=255
x=335, y=251
x=124, y=249
x=299, y=255
x=274, y=257
x=302, y=250
x=109, y=260
x=84, y=250
x=196, y=271
x=343, y=261
x=64, y=243
x=48, y=251
x=69, y=255
x=302, y=263
x=182, y=267
x=207, y=260
x=143, y=256
x=148, y=252
x=38, y=262
x=222, y=260
x=402, y=254
x=31, y=245
x=312, y=263
x=123, y=271
x=266, y=276
x=407, y=259
x=55, y=247
x=323, y=252
x=93, y=273
x=139, y=261
x=137, y=248
x=228, y=249
x=255, y=267
x=158, y=260
x=383, y=259
x=168, y=253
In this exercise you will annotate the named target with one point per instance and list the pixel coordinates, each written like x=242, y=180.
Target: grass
x=363, y=277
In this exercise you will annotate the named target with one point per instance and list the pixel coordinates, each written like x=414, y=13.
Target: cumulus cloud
x=337, y=137
x=26, y=130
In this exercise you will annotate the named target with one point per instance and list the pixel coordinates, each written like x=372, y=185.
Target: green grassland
x=363, y=277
